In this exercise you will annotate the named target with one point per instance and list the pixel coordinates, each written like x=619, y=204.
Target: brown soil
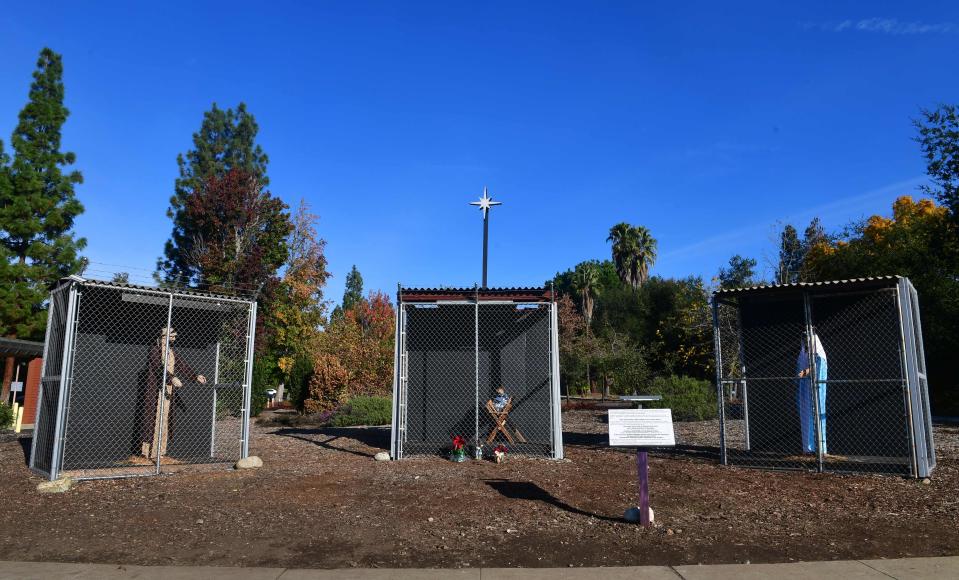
x=321, y=501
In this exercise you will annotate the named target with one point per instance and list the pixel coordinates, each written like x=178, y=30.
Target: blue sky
x=706, y=122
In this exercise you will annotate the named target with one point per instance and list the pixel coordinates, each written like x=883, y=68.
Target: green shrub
x=364, y=411
x=690, y=399
x=6, y=416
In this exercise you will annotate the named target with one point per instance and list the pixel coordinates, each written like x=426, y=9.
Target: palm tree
x=624, y=247
x=645, y=255
x=634, y=252
x=586, y=282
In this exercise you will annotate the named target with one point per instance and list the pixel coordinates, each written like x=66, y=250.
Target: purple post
x=642, y=465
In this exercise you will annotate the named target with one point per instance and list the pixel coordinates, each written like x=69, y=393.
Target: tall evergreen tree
x=226, y=141
x=939, y=139
x=37, y=206
x=741, y=272
x=353, y=294
x=790, y=256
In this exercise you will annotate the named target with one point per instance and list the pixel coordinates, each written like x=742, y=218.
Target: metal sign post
x=642, y=428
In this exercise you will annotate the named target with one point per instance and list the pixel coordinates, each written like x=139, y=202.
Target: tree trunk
x=7, y=378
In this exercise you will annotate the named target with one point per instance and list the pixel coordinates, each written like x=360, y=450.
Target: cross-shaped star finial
x=486, y=202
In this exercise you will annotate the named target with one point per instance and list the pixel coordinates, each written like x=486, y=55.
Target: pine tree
x=790, y=256
x=226, y=141
x=353, y=294
x=37, y=206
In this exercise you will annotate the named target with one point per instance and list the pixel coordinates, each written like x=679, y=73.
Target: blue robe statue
x=805, y=393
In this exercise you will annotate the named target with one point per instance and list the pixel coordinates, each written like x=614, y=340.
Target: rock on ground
x=251, y=462
x=382, y=456
x=56, y=486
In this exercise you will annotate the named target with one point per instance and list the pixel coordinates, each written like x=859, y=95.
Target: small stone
x=669, y=532
x=679, y=530
x=429, y=519
x=382, y=456
x=511, y=531
x=56, y=486
x=251, y=462
x=926, y=481
x=631, y=515
x=199, y=521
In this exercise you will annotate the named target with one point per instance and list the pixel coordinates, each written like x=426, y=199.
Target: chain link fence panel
x=482, y=372
x=155, y=380
x=817, y=378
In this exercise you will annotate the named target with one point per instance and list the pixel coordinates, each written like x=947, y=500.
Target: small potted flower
x=459, y=449
x=500, y=453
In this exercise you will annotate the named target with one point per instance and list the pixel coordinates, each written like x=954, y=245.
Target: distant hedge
x=364, y=411
x=690, y=399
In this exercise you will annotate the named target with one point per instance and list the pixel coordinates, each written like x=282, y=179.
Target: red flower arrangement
x=500, y=453
x=459, y=449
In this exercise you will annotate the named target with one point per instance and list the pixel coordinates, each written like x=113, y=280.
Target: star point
x=486, y=202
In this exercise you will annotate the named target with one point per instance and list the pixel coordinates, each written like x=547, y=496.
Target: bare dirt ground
x=321, y=501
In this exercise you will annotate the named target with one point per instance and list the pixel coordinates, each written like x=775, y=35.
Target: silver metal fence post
x=51, y=313
x=216, y=381
x=556, y=411
x=395, y=431
x=717, y=345
x=906, y=364
x=71, y=355
x=476, y=442
x=58, y=433
x=814, y=379
x=248, y=390
x=161, y=395
x=929, y=460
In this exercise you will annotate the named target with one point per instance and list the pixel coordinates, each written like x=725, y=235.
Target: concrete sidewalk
x=911, y=568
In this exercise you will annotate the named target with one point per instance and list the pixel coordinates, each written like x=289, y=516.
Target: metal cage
x=454, y=348
x=826, y=376
x=137, y=381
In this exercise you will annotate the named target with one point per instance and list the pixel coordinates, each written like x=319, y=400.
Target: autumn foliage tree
x=299, y=309
x=912, y=242
x=239, y=233
x=354, y=355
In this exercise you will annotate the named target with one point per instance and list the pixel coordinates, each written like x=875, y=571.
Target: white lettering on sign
x=641, y=428
x=16, y=387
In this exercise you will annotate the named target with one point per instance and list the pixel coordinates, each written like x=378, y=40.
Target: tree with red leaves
x=240, y=233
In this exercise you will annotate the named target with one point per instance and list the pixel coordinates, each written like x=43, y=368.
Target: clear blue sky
x=705, y=122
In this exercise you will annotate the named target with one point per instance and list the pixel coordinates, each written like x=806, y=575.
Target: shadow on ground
x=530, y=491
x=326, y=437
x=601, y=441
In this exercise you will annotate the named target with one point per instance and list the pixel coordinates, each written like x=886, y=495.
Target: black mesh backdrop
x=769, y=409
x=442, y=361
x=117, y=417
x=516, y=342
x=441, y=376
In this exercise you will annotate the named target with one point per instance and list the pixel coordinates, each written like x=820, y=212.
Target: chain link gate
x=824, y=376
x=137, y=381
x=454, y=350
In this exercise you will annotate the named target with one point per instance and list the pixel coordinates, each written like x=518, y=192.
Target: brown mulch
x=321, y=501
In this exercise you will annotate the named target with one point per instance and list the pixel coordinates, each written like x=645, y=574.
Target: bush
x=6, y=416
x=690, y=399
x=364, y=411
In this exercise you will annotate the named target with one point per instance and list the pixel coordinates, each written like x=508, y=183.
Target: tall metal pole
x=485, y=203
x=485, y=243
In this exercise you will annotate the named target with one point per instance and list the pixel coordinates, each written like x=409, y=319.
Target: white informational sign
x=641, y=428
x=16, y=386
